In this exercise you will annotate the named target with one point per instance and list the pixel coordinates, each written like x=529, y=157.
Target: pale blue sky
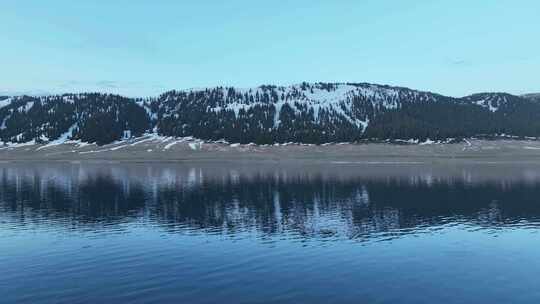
x=140, y=47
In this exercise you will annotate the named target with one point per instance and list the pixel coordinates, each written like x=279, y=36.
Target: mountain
x=307, y=112
x=533, y=96
x=92, y=117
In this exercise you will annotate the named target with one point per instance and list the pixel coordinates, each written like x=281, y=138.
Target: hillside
x=308, y=113
x=532, y=96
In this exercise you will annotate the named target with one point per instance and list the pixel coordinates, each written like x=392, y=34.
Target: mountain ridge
x=306, y=112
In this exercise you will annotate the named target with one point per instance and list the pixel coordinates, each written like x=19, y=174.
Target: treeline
x=516, y=116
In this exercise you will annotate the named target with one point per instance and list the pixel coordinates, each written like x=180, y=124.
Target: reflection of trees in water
x=96, y=199
x=265, y=202
x=480, y=203
x=307, y=205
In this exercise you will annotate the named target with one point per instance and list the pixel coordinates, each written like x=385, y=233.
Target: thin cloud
x=107, y=84
x=459, y=62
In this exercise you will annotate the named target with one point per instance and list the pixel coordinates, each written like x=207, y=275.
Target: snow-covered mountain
x=494, y=101
x=312, y=113
x=89, y=117
x=304, y=112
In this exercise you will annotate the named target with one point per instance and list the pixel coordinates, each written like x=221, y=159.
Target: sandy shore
x=151, y=149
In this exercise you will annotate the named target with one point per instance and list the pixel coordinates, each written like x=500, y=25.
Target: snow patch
x=61, y=140
x=5, y=102
x=195, y=146
x=118, y=147
x=170, y=145
x=337, y=99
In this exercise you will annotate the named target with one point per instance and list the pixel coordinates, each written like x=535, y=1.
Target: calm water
x=346, y=233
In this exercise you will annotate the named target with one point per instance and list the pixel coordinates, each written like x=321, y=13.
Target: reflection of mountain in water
x=266, y=203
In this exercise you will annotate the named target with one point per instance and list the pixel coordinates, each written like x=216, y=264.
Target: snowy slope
x=494, y=101
x=347, y=101
x=5, y=101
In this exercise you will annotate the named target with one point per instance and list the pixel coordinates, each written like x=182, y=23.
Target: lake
x=272, y=233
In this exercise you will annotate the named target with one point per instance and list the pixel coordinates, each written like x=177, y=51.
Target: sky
x=142, y=48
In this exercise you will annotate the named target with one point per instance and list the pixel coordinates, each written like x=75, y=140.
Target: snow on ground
x=408, y=141
x=119, y=147
x=158, y=143
x=171, y=144
x=26, y=107
x=148, y=139
x=5, y=102
x=143, y=140
x=93, y=151
x=195, y=146
x=62, y=139
x=10, y=145
x=81, y=144
x=337, y=99
x=492, y=103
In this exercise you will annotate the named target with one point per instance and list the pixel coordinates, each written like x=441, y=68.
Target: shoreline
x=168, y=149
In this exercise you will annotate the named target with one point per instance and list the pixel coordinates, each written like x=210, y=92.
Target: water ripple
x=82, y=234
